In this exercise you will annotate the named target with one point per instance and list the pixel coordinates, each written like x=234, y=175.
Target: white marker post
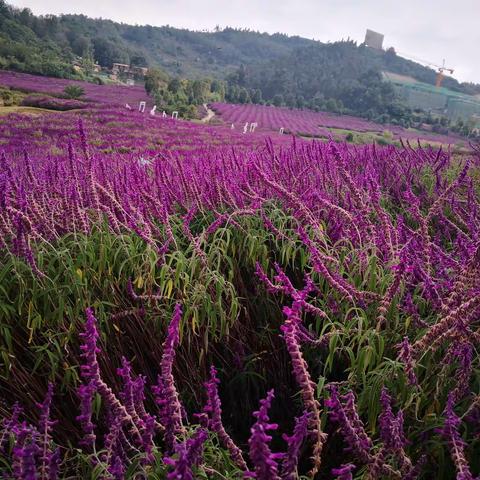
x=164, y=114
x=253, y=126
x=152, y=111
x=245, y=128
x=141, y=106
x=232, y=127
x=281, y=131
x=175, y=115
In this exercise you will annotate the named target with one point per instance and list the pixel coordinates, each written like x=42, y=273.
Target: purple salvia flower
x=213, y=411
x=344, y=472
x=111, y=444
x=117, y=468
x=391, y=432
x=25, y=453
x=264, y=461
x=126, y=395
x=295, y=442
x=86, y=394
x=83, y=137
x=188, y=454
x=132, y=397
x=438, y=331
x=354, y=440
x=391, y=425
x=54, y=464
x=450, y=431
x=166, y=393
x=354, y=433
x=354, y=418
x=464, y=354
x=300, y=370
x=405, y=356
x=399, y=272
x=44, y=428
x=8, y=425
x=89, y=368
x=90, y=371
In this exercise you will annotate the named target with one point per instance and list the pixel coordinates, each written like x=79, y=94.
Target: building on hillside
x=139, y=71
x=127, y=73
x=439, y=100
x=374, y=39
x=120, y=68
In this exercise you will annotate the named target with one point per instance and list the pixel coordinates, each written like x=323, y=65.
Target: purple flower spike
x=406, y=357
x=44, y=428
x=188, y=454
x=25, y=453
x=213, y=411
x=264, y=461
x=295, y=442
x=86, y=394
x=165, y=391
x=290, y=330
x=450, y=432
x=344, y=472
x=8, y=426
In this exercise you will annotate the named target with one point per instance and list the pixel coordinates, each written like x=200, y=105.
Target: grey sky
x=430, y=30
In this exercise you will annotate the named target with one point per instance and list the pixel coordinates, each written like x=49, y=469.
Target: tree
x=73, y=91
x=174, y=85
x=278, y=100
x=331, y=105
x=200, y=90
x=88, y=63
x=138, y=60
x=243, y=96
x=108, y=52
x=301, y=101
x=290, y=100
x=154, y=80
x=256, y=96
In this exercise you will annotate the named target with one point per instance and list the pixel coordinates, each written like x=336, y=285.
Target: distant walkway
x=210, y=114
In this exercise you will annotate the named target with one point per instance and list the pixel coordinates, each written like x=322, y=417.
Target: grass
x=27, y=110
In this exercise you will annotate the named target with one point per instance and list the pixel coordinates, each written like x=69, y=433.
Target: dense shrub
x=74, y=91
x=52, y=103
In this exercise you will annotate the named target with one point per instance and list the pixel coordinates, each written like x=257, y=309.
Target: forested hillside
x=259, y=67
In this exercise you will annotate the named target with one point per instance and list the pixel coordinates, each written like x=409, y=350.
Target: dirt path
x=210, y=114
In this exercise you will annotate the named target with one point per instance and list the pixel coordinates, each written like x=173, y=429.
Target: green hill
x=292, y=71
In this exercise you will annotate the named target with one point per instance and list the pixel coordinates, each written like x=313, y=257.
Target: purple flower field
x=184, y=301
x=106, y=94
x=306, y=122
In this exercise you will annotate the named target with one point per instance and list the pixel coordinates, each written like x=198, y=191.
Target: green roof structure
x=454, y=105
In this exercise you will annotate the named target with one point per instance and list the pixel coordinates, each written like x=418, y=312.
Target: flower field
x=316, y=124
x=105, y=94
x=183, y=301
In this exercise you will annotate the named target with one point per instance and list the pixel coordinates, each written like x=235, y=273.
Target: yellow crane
x=440, y=68
x=440, y=75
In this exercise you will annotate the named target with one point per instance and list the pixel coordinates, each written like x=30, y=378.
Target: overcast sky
x=430, y=30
